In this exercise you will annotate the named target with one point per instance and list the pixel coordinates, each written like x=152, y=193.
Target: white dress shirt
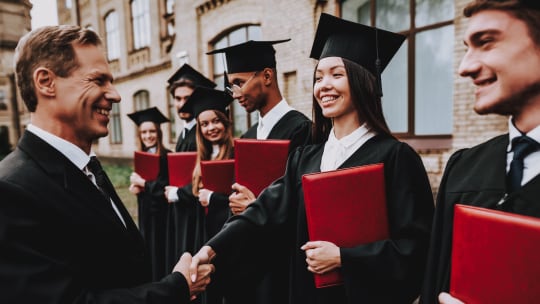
x=271, y=118
x=77, y=156
x=337, y=151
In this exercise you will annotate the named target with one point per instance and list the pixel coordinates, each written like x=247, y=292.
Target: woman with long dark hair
x=349, y=131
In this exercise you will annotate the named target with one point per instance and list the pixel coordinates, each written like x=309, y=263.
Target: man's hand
x=203, y=274
x=240, y=199
x=445, y=298
x=322, y=256
x=204, y=256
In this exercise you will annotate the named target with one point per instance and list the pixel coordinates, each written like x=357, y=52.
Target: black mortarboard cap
x=203, y=99
x=249, y=56
x=189, y=73
x=150, y=114
x=532, y=4
x=370, y=47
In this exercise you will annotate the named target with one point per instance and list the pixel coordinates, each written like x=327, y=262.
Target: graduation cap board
x=249, y=56
x=370, y=47
x=186, y=72
x=203, y=99
x=150, y=114
x=532, y=4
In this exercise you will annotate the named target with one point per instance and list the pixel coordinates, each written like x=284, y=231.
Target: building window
x=69, y=4
x=241, y=120
x=141, y=100
x=140, y=14
x=115, y=125
x=418, y=83
x=172, y=118
x=112, y=34
x=169, y=7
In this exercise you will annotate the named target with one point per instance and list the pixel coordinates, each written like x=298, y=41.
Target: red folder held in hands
x=146, y=165
x=346, y=207
x=494, y=256
x=218, y=175
x=259, y=162
x=181, y=165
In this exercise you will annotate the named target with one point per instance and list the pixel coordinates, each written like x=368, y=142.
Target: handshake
x=196, y=270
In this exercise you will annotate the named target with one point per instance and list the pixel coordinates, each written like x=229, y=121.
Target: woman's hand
x=204, y=197
x=322, y=256
x=135, y=189
x=137, y=180
x=240, y=199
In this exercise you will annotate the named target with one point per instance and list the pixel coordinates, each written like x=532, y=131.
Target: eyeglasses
x=236, y=89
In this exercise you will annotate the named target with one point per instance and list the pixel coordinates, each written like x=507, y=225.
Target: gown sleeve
x=397, y=261
x=438, y=260
x=249, y=240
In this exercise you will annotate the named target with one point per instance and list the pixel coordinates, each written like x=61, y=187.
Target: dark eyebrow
x=476, y=37
x=332, y=68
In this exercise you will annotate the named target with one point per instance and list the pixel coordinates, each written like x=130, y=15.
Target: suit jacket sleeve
x=38, y=266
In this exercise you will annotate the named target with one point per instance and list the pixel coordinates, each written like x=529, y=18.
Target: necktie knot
x=101, y=179
x=521, y=146
x=94, y=166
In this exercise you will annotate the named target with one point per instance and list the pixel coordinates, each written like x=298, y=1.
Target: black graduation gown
x=181, y=219
x=387, y=271
x=189, y=143
x=293, y=125
x=296, y=127
x=476, y=177
x=152, y=207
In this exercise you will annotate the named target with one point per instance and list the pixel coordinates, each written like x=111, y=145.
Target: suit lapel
x=63, y=172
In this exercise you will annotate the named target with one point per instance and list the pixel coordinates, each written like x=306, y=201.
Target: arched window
x=141, y=100
x=140, y=21
x=112, y=35
x=115, y=125
x=241, y=119
x=417, y=84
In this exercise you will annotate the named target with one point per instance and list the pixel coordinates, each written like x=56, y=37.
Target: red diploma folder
x=346, y=207
x=218, y=175
x=259, y=162
x=146, y=165
x=494, y=256
x=181, y=165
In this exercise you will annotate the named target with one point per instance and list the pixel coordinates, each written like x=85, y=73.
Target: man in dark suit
x=65, y=236
x=252, y=80
x=503, y=60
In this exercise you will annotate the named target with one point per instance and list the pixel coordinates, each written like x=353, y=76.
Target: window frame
x=421, y=141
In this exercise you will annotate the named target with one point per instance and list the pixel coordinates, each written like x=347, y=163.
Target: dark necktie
x=521, y=146
x=101, y=178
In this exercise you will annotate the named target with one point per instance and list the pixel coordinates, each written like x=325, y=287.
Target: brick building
x=426, y=103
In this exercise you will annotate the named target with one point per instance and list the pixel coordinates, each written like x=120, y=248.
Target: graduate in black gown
x=252, y=80
x=182, y=220
x=502, y=60
x=349, y=130
x=152, y=205
x=214, y=142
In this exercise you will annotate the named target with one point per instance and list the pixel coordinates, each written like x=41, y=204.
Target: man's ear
x=268, y=75
x=44, y=81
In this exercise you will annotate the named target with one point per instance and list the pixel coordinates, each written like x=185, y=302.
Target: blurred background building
x=425, y=102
